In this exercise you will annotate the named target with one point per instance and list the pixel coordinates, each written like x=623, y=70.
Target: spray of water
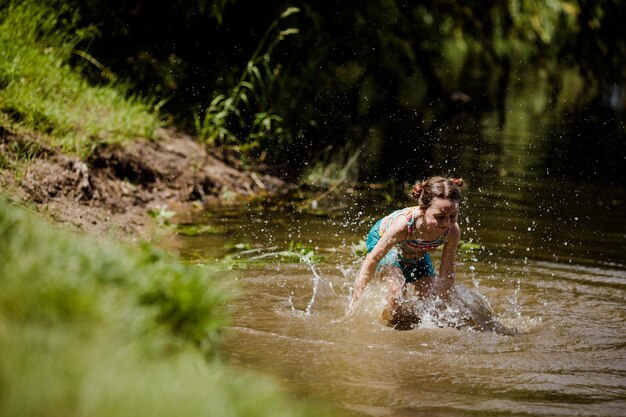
x=317, y=278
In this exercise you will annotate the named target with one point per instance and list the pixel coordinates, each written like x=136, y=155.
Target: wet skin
x=430, y=224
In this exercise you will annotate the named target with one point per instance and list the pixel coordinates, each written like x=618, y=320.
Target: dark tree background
x=383, y=71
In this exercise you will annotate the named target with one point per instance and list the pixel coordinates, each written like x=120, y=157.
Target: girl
x=398, y=247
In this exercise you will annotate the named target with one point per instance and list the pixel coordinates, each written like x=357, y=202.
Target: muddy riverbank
x=112, y=191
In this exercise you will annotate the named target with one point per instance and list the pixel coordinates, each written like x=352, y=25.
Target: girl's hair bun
x=458, y=181
x=417, y=190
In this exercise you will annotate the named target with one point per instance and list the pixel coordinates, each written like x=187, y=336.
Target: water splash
x=306, y=258
x=517, y=308
x=465, y=310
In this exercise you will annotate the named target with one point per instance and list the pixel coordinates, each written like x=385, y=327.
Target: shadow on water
x=544, y=254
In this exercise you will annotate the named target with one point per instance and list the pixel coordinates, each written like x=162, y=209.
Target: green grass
x=41, y=93
x=98, y=329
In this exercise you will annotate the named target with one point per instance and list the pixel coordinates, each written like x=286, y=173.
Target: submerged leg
x=397, y=313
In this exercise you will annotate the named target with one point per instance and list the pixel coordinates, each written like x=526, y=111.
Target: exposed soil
x=113, y=190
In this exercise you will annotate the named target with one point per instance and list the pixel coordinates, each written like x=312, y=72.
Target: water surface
x=551, y=264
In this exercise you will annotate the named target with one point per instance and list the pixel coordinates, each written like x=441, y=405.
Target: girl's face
x=441, y=214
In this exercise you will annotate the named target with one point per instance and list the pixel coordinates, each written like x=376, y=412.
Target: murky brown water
x=553, y=266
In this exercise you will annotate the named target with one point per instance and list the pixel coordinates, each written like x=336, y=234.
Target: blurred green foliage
x=380, y=76
x=93, y=328
x=54, y=278
x=401, y=67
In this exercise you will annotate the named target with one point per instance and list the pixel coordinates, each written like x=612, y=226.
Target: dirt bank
x=113, y=190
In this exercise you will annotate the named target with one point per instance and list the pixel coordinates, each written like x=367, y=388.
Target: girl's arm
x=396, y=233
x=446, y=270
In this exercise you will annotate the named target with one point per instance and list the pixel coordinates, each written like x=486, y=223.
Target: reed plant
x=246, y=119
x=95, y=328
x=41, y=93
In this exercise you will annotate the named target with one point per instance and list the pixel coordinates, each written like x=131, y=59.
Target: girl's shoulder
x=396, y=223
x=410, y=214
x=407, y=213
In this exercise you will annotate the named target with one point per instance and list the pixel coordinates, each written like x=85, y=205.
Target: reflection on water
x=551, y=264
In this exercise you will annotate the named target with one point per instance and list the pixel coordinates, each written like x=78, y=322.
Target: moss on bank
x=97, y=329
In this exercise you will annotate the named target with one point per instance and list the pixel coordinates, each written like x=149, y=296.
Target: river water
x=547, y=256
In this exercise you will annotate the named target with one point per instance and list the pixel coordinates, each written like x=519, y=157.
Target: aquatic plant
x=196, y=229
x=162, y=215
x=469, y=246
x=163, y=218
x=295, y=252
x=359, y=249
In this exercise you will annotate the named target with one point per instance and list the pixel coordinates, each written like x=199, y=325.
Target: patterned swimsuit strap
x=409, y=214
